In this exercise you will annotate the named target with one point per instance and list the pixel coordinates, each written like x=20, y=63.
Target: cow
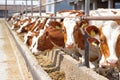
x=104, y=38
x=73, y=30
x=16, y=25
x=48, y=39
x=27, y=25
x=31, y=36
x=107, y=38
x=31, y=33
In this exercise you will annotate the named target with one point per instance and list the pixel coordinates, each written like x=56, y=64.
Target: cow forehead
x=111, y=30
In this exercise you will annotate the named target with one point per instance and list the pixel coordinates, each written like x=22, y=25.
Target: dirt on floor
x=50, y=68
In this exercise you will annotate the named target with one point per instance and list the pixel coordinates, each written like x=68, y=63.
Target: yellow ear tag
x=92, y=33
x=94, y=44
x=83, y=25
x=57, y=27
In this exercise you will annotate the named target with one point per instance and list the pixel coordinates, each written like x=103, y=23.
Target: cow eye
x=63, y=30
x=102, y=41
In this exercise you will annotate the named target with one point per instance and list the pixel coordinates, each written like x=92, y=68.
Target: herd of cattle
x=68, y=34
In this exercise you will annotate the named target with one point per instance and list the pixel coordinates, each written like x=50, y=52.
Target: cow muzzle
x=69, y=46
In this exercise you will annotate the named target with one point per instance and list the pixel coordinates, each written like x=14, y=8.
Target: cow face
x=107, y=39
x=16, y=24
x=52, y=37
x=73, y=30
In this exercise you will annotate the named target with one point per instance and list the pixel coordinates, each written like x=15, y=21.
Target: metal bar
x=55, y=7
x=101, y=17
x=110, y=3
x=40, y=8
x=52, y=2
x=86, y=17
x=26, y=8
x=94, y=4
x=46, y=4
x=5, y=9
x=86, y=55
x=32, y=8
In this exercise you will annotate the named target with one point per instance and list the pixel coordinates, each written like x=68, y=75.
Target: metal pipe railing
x=86, y=55
x=86, y=17
x=101, y=17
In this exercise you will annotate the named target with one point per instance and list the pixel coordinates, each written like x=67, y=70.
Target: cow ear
x=92, y=30
x=93, y=41
x=82, y=23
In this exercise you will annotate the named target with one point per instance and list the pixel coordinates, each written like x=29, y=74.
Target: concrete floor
x=10, y=64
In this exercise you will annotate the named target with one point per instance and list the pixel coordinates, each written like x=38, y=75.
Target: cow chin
x=35, y=52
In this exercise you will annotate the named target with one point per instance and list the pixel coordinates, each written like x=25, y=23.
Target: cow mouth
x=107, y=65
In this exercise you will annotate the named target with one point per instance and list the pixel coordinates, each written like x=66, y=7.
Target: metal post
x=26, y=7
x=94, y=4
x=110, y=3
x=55, y=7
x=82, y=5
x=14, y=5
x=87, y=5
x=31, y=8
x=5, y=9
x=40, y=7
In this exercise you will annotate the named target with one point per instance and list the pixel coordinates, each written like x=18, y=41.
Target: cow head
x=73, y=30
x=107, y=38
x=16, y=24
x=51, y=37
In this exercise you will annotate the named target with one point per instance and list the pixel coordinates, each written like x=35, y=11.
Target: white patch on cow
x=13, y=26
x=102, y=60
x=26, y=37
x=21, y=27
x=33, y=20
x=100, y=12
x=69, y=24
x=35, y=43
x=111, y=31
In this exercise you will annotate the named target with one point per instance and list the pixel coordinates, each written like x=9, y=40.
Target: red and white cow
x=37, y=30
x=51, y=37
x=74, y=36
x=19, y=22
x=105, y=34
x=26, y=25
x=107, y=37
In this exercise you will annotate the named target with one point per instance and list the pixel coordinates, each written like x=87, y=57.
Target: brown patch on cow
x=117, y=48
x=9, y=18
x=50, y=37
x=55, y=34
x=44, y=43
x=103, y=45
x=79, y=37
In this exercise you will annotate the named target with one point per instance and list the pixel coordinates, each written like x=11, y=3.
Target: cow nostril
x=104, y=66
